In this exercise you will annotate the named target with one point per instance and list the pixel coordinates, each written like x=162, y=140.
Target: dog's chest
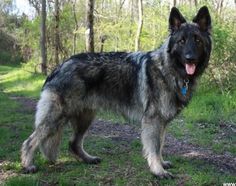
x=168, y=105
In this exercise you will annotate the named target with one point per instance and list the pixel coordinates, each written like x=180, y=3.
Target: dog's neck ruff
x=184, y=89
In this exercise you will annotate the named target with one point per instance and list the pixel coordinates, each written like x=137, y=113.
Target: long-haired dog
x=152, y=87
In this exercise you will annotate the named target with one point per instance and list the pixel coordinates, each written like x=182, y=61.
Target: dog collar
x=184, y=89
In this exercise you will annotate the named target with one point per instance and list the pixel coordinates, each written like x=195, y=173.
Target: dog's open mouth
x=190, y=68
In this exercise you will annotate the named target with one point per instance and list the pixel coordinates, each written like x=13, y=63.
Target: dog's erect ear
x=203, y=19
x=175, y=19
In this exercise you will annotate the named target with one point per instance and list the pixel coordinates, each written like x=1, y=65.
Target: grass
x=209, y=105
x=117, y=167
x=209, y=120
x=21, y=82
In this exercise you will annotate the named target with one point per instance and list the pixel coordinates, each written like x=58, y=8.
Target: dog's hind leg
x=27, y=151
x=80, y=124
x=47, y=122
x=50, y=146
x=40, y=136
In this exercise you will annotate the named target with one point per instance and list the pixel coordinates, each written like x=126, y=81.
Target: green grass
x=122, y=163
x=120, y=166
x=209, y=105
x=207, y=118
x=20, y=81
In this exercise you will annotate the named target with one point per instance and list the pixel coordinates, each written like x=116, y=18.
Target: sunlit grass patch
x=209, y=105
x=21, y=82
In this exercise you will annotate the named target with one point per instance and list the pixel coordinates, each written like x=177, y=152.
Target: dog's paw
x=164, y=175
x=30, y=169
x=167, y=164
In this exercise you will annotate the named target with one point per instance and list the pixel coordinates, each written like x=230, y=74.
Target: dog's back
x=100, y=80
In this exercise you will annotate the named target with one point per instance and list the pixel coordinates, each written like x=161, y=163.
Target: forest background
x=115, y=26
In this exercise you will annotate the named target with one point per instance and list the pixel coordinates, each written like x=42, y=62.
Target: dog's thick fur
x=151, y=87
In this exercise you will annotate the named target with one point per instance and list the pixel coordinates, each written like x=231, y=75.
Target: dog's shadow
x=65, y=165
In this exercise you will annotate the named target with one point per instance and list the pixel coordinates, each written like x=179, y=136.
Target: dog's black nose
x=190, y=57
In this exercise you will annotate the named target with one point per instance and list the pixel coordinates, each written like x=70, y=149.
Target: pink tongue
x=190, y=68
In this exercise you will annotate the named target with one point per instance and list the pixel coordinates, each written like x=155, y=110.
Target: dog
x=150, y=87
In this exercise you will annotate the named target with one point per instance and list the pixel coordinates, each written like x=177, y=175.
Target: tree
x=43, y=38
x=76, y=27
x=140, y=25
x=195, y=3
x=56, y=32
x=89, y=35
x=174, y=4
x=103, y=38
x=36, y=5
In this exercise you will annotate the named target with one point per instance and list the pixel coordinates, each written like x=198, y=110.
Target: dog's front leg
x=165, y=164
x=152, y=132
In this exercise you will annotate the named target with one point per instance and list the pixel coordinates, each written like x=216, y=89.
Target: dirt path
x=127, y=132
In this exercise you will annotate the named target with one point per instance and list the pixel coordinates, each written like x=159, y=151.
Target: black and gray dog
x=151, y=87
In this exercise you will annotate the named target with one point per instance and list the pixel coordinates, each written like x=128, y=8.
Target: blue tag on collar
x=184, y=91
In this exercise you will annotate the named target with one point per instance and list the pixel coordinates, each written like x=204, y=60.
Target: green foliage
x=8, y=58
x=223, y=66
x=9, y=49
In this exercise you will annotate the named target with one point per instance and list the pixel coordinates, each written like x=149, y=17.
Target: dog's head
x=190, y=43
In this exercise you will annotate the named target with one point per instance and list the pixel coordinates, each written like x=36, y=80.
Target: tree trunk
x=221, y=6
x=195, y=3
x=174, y=3
x=102, y=40
x=140, y=25
x=89, y=35
x=43, y=38
x=131, y=5
x=76, y=27
x=56, y=32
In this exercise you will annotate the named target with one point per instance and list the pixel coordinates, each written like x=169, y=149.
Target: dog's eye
x=198, y=40
x=182, y=41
